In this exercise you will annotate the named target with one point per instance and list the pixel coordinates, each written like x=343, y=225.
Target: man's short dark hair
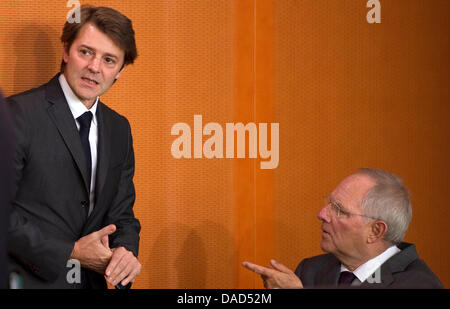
x=111, y=22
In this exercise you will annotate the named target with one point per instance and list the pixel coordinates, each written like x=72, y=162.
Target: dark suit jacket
x=51, y=190
x=403, y=270
x=6, y=159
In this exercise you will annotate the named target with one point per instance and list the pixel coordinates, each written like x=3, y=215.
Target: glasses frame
x=339, y=210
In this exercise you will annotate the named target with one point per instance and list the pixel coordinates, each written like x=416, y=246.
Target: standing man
x=363, y=223
x=74, y=165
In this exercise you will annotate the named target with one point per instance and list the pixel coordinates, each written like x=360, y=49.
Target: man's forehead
x=353, y=188
x=96, y=39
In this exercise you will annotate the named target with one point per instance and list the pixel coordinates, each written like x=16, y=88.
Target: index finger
x=115, y=259
x=260, y=270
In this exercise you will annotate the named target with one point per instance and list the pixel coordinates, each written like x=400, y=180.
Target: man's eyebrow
x=88, y=47
x=338, y=203
x=93, y=49
x=111, y=55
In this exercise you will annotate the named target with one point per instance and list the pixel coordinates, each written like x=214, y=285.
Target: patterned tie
x=85, y=125
x=346, y=278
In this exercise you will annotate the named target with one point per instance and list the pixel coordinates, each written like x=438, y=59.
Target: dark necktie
x=346, y=278
x=85, y=125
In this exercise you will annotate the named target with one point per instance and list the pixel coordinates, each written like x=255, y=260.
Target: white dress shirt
x=368, y=268
x=78, y=108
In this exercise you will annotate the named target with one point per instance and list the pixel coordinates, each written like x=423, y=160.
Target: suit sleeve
x=121, y=212
x=298, y=271
x=38, y=252
x=6, y=159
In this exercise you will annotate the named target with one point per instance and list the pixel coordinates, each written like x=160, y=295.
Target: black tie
x=85, y=125
x=346, y=278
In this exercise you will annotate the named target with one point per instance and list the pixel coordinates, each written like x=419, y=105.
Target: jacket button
x=84, y=203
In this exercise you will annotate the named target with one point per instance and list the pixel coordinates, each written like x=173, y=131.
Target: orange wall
x=345, y=93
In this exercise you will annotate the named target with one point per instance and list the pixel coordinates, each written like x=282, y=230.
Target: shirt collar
x=76, y=106
x=368, y=268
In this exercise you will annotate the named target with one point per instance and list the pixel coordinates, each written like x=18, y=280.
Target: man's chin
x=325, y=245
x=87, y=97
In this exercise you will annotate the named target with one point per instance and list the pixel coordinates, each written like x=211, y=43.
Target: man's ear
x=377, y=231
x=65, y=53
x=119, y=73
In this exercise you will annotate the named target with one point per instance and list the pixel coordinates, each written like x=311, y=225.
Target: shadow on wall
x=191, y=262
x=36, y=60
x=206, y=258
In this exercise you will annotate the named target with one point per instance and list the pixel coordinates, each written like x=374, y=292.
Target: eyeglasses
x=339, y=211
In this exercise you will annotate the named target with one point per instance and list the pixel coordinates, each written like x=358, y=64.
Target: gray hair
x=388, y=201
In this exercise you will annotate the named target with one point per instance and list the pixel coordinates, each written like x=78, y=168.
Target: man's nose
x=94, y=65
x=324, y=214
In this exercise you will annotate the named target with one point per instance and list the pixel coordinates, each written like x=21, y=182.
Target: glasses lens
x=335, y=209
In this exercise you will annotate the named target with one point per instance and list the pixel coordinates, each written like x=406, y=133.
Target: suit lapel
x=61, y=115
x=395, y=264
x=329, y=273
x=104, y=144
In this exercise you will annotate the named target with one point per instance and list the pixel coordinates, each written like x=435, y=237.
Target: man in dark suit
x=72, y=223
x=6, y=159
x=363, y=224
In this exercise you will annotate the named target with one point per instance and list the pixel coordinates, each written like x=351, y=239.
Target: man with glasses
x=363, y=223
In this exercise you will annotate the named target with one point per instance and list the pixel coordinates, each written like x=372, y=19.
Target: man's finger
x=107, y=230
x=124, y=271
x=260, y=270
x=118, y=254
x=280, y=267
x=135, y=271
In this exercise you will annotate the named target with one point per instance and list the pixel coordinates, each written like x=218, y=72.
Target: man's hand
x=123, y=267
x=92, y=250
x=280, y=277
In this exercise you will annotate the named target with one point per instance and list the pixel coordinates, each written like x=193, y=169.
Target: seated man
x=363, y=224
